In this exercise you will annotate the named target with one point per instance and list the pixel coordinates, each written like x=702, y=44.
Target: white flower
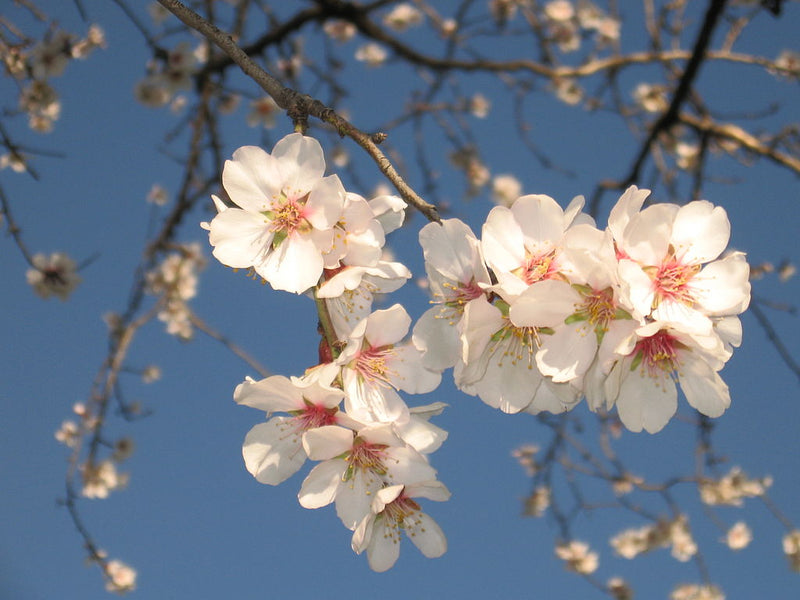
x=559, y=10
x=101, y=479
x=54, y=275
x=696, y=592
x=732, y=488
x=341, y=31
x=578, y=557
x=355, y=465
x=456, y=274
x=739, y=536
x=655, y=356
x=285, y=212
x=663, y=250
x=358, y=236
x=121, y=577
x=158, y=195
x=479, y=106
x=522, y=244
x=273, y=451
x=376, y=362
x=49, y=57
x=393, y=511
x=651, y=98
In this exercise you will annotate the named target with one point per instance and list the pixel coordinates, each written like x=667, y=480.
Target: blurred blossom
x=228, y=103
x=262, y=112
x=13, y=160
x=49, y=57
x=403, y=16
x=101, y=479
x=568, y=91
x=739, y=536
x=157, y=12
x=526, y=457
x=786, y=271
x=479, y=106
x=54, y=275
x=41, y=103
x=503, y=10
x=538, y=502
x=121, y=577
x=95, y=38
x=340, y=157
x=696, y=592
x=732, y=488
x=341, y=31
x=619, y=589
x=157, y=195
x=123, y=449
x=371, y=53
x=789, y=62
x=505, y=189
x=791, y=547
x=151, y=373
x=651, y=98
x=68, y=434
x=559, y=10
x=578, y=557
x=175, y=280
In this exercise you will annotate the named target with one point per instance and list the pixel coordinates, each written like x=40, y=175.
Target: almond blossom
x=273, y=451
x=394, y=510
x=376, y=362
x=355, y=465
x=284, y=215
x=53, y=275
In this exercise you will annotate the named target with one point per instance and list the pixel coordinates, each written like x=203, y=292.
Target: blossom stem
x=326, y=329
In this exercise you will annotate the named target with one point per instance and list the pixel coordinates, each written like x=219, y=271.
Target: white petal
x=273, y=394
x=700, y=232
x=240, y=238
x=502, y=241
x=294, y=266
x=427, y=536
x=320, y=486
x=252, y=178
x=704, y=388
x=423, y=436
x=354, y=497
x=272, y=451
x=567, y=353
x=723, y=287
x=325, y=203
x=544, y=304
x=323, y=443
x=452, y=250
x=541, y=220
x=438, y=339
x=646, y=402
x=407, y=373
x=384, y=547
x=647, y=236
x=386, y=327
x=301, y=160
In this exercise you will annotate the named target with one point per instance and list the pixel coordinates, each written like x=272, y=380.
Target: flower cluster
x=302, y=232
x=543, y=310
x=547, y=308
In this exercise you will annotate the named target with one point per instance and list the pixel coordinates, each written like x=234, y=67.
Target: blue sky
x=193, y=522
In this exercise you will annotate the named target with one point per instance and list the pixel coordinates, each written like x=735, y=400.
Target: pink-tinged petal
x=273, y=394
x=320, y=486
x=302, y=162
x=541, y=220
x=646, y=402
x=567, y=353
x=407, y=373
x=685, y=317
x=438, y=339
x=354, y=497
x=426, y=535
x=544, y=304
x=723, y=287
x=384, y=549
x=325, y=442
x=294, y=266
x=629, y=204
x=240, y=239
x=252, y=179
x=704, y=388
x=325, y=203
x=387, y=327
x=272, y=451
x=700, y=232
x=502, y=241
x=318, y=393
x=647, y=236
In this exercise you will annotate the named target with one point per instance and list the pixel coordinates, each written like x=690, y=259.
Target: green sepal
x=637, y=360
x=575, y=318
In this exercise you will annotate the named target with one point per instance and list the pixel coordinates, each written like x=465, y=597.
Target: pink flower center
x=657, y=353
x=366, y=457
x=289, y=215
x=538, y=267
x=671, y=281
x=314, y=415
x=399, y=509
x=599, y=307
x=373, y=363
